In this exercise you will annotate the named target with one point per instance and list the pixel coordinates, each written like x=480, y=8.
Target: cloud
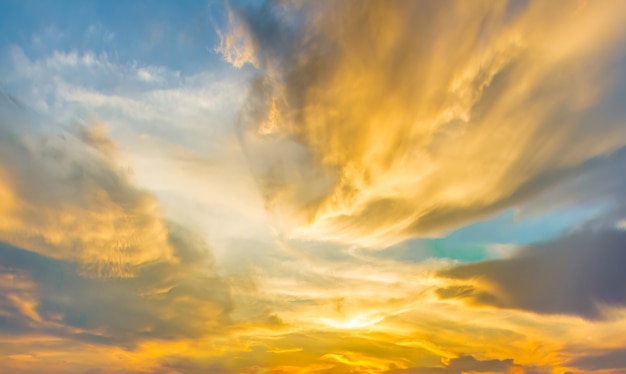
x=600, y=182
x=86, y=255
x=391, y=120
x=64, y=196
x=610, y=359
x=575, y=275
x=88, y=263
x=65, y=84
x=467, y=364
x=368, y=124
x=175, y=130
x=164, y=301
x=90, y=268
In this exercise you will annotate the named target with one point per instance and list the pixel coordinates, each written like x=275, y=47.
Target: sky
x=300, y=186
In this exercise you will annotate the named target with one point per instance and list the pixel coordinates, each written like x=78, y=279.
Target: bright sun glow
x=358, y=322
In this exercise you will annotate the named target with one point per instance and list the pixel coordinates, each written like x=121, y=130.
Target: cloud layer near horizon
x=378, y=121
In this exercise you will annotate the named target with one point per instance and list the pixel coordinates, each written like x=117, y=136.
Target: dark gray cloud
x=572, y=275
x=610, y=359
x=464, y=364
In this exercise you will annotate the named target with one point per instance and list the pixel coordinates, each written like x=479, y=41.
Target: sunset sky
x=293, y=186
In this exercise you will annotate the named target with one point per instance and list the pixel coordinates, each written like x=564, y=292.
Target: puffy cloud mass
x=375, y=121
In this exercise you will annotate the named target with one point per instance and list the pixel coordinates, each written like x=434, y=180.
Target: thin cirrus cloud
x=163, y=123
x=355, y=137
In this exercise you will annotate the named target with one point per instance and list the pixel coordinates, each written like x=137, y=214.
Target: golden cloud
x=376, y=121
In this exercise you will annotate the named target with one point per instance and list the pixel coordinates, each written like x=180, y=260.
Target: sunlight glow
x=358, y=322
